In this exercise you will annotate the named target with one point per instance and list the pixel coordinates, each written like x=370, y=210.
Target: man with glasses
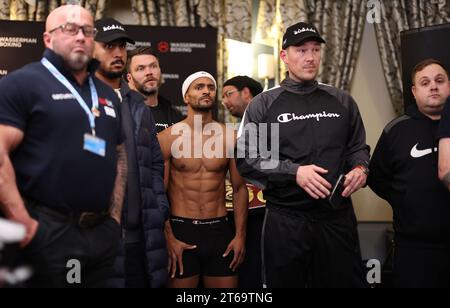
x=238, y=92
x=62, y=161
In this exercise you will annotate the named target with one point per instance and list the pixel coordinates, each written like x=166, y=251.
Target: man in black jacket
x=404, y=172
x=145, y=206
x=308, y=240
x=444, y=147
x=145, y=77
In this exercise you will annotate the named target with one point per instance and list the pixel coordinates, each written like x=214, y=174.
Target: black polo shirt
x=51, y=166
x=444, y=130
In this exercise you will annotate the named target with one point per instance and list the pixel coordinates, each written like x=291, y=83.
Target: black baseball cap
x=110, y=30
x=299, y=33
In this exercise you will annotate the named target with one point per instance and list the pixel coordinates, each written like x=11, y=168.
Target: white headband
x=187, y=83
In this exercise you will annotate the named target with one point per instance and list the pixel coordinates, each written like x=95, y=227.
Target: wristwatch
x=364, y=169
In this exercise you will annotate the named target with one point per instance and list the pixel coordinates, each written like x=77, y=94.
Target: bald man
x=62, y=160
x=201, y=242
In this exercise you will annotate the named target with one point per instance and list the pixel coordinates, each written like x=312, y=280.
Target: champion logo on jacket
x=289, y=117
x=316, y=124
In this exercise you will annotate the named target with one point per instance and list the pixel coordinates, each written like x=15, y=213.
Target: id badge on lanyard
x=92, y=143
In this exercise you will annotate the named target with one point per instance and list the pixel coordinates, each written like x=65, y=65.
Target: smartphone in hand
x=336, y=197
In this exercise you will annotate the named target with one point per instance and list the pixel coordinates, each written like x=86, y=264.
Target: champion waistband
x=200, y=222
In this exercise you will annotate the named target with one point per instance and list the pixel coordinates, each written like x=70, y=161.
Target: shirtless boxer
x=200, y=239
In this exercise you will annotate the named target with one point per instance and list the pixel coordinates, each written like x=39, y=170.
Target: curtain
x=341, y=23
x=396, y=16
x=290, y=13
x=165, y=13
x=4, y=9
x=38, y=10
x=266, y=25
x=233, y=19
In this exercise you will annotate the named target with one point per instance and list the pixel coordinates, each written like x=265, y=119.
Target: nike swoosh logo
x=416, y=153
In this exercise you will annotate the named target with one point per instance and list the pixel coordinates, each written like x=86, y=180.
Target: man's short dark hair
x=140, y=51
x=423, y=64
x=241, y=82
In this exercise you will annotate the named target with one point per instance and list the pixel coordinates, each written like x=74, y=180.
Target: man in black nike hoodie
x=404, y=171
x=315, y=134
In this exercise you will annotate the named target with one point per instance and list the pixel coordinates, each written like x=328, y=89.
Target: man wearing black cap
x=110, y=48
x=309, y=235
x=144, y=261
x=238, y=92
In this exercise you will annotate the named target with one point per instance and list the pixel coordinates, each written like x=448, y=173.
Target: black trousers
x=420, y=266
x=250, y=271
x=136, y=276
x=304, y=250
x=59, y=241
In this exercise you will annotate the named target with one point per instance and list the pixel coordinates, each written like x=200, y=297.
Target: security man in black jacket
x=316, y=135
x=62, y=159
x=404, y=171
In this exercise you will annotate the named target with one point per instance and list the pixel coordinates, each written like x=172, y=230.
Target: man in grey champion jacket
x=315, y=135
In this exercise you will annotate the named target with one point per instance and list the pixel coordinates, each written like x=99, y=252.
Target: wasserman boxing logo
x=289, y=117
x=16, y=42
x=185, y=47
